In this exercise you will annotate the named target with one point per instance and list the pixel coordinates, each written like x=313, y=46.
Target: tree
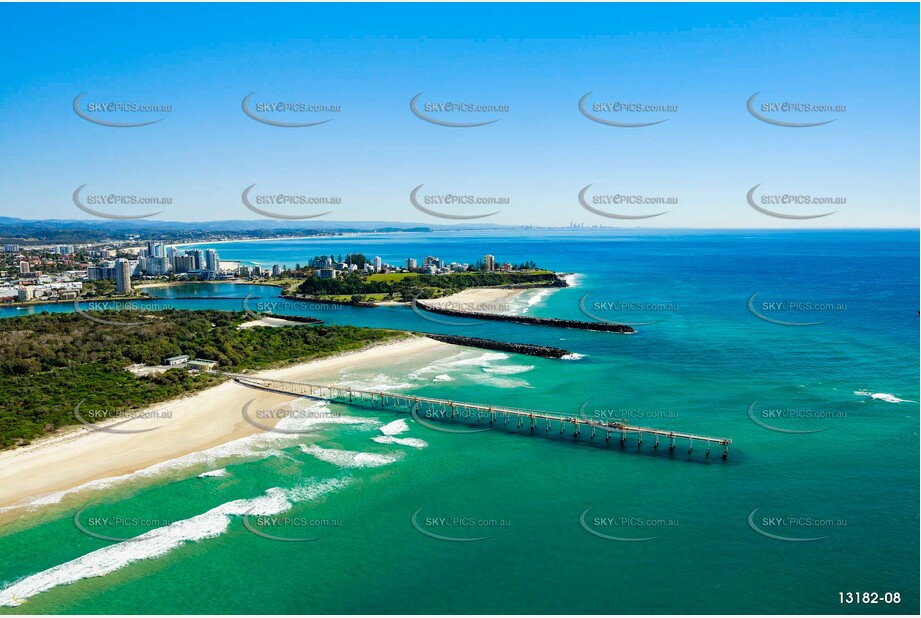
x=357, y=259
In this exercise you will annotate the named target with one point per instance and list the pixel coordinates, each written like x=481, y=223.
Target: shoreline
x=76, y=455
x=483, y=300
x=79, y=299
x=171, y=284
x=220, y=242
x=330, y=235
x=481, y=295
x=197, y=422
x=268, y=322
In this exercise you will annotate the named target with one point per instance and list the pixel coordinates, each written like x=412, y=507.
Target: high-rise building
x=122, y=276
x=410, y=263
x=430, y=261
x=212, y=261
x=183, y=263
x=377, y=264
x=155, y=249
x=199, y=256
x=276, y=270
x=98, y=273
x=23, y=268
x=156, y=266
x=489, y=262
x=13, y=248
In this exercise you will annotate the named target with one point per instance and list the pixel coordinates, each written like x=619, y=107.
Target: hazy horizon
x=324, y=225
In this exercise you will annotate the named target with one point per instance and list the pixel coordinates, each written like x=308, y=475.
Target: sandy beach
x=478, y=300
x=172, y=284
x=269, y=322
x=194, y=423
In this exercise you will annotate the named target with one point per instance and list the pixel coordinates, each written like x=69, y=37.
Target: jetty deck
x=426, y=409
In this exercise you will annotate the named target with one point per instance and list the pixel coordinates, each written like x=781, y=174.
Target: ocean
x=800, y=346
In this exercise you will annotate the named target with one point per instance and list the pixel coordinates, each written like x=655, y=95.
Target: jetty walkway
x=425, y=409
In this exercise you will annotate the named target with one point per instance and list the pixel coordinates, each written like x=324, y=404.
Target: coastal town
x=65, y=272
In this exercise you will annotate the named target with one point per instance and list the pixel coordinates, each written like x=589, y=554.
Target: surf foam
x=160, y=541
x=508, y=370
x=413, y=442
x=391, y=430
x=213, y=473
x=395, y=427
x=480, y=368
x=887, y=397
x=251, y=448
x=350, y=459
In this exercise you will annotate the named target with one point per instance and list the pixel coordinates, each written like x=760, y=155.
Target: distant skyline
x=530, y=64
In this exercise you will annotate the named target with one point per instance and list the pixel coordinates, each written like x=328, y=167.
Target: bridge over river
x=444, y=412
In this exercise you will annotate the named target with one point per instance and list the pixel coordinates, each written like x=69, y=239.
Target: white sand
x=477, y=300
x=270, y=322
x=197, y=422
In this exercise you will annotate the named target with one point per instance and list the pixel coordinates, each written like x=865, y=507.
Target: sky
x=702, y=63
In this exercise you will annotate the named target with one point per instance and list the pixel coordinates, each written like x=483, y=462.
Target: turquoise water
x=698, y=362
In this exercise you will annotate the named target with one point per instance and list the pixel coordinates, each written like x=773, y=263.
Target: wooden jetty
x=430, y=408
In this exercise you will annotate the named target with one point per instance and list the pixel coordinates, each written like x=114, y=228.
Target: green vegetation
x=287, y=284
x=51, y=362
x=356, y=298
x=406, y=286
x=390, y=276
x=101, y=287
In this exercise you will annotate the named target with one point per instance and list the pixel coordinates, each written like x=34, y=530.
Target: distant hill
x=77, y=231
